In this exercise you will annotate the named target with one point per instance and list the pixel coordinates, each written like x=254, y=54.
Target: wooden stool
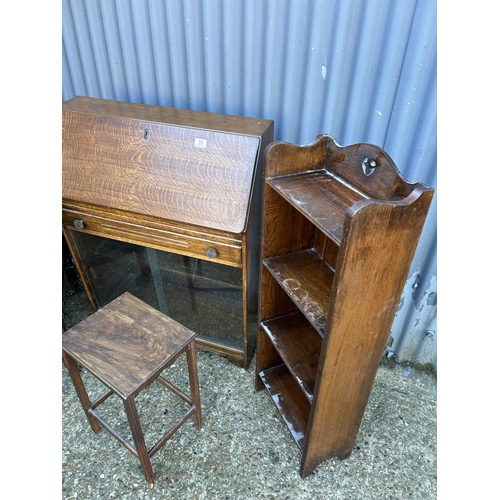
x=126, y=345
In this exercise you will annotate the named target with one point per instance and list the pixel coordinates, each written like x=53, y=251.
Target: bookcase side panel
x=374, y=260
x=282, y=158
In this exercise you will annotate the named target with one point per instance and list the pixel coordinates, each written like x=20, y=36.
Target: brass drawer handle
x=78, y=223
x=211, y=252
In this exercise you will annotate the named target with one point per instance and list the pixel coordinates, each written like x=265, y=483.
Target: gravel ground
x=244, y=450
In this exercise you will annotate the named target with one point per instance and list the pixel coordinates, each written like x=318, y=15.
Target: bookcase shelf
x=320, y=196
x=307, y=279
x=299, y=346
x=289, y=400
x=340, y=228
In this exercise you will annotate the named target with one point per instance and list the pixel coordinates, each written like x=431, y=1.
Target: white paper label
x=200, y=143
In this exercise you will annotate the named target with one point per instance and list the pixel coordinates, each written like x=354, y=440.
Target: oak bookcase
x=339, y=231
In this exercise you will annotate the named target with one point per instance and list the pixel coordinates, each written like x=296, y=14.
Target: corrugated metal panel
x=359, y=70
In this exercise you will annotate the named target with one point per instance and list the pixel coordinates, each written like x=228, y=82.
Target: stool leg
x=80, y=390
x=140, y=444
x=194, y=382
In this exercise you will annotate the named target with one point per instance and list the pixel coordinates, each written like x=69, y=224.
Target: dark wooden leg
x=140, y=445
x=194, y=382
x=80, y=390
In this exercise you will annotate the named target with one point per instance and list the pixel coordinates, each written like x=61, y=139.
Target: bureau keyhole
x=146, y=133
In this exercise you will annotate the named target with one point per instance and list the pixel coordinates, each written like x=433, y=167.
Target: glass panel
x=204, y=296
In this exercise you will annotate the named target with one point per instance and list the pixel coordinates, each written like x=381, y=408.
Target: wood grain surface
x=109, y=162
x=299, y=346
x=137, y=340
x=307, y=279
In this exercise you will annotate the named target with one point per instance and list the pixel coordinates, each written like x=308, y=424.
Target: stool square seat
x=127, y=345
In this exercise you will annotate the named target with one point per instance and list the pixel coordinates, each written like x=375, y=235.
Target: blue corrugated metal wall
x=359, y=70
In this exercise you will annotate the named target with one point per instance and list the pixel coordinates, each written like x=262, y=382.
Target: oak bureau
x=166, y=204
